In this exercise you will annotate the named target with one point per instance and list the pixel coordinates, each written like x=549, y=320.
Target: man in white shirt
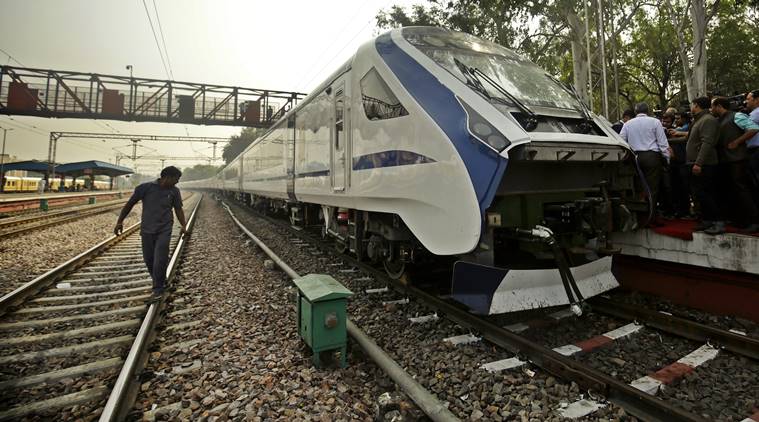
x=646, y=137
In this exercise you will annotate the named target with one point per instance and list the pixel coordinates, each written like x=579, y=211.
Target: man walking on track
x=158, y=198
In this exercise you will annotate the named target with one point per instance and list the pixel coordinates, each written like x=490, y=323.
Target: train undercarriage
x=548, y=223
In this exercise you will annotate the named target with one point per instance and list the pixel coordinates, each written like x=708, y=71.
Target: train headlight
x=481, y=129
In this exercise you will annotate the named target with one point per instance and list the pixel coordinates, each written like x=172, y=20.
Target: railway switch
x=322, y=315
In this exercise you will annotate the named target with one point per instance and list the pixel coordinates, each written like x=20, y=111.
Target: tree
x=733, y=50
x=650, y=61
x=238, y=143
x=199, y=172
x=693, y=57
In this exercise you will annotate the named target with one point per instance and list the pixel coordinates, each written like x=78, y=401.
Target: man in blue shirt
x=158, y=198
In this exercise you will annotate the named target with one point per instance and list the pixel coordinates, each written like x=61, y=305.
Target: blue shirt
x=157, y=204
x=754, y=141
x=645, y=133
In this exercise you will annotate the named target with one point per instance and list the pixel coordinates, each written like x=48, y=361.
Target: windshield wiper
x=587, y=124
x=529, y=123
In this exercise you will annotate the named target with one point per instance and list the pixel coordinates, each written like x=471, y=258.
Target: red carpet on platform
x=683, y=229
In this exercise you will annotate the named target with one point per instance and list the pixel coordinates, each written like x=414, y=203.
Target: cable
x=11, y=57
x=155, y=37
x=337, y=37
x=163, y=40
x=335, y=56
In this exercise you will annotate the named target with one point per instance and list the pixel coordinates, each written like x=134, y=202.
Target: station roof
x=30, y=165
x=93, y=167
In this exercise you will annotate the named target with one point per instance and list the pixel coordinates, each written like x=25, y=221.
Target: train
x=430, y=145
x=31, y=184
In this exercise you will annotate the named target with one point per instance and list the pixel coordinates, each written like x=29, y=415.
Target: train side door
x=339, y=140
x=290, y=156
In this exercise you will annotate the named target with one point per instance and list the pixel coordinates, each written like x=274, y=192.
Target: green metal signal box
x=43, y=204
x=322, y=315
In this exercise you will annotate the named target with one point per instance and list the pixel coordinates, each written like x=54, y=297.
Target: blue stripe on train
x=485, y=166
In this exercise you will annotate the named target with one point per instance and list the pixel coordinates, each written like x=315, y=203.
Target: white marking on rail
x=502, y=365
x=63, y=286
x=395, y=302
x=623, y=331
x=699, y=356
x=462, y=339
x=739, y=332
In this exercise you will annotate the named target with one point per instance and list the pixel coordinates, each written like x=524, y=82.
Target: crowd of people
x=702, y=164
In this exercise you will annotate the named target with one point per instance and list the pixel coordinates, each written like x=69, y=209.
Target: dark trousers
x=753, y=165
x=739, y=188
x=705, y=192
x=651, y=163
x=155, y=252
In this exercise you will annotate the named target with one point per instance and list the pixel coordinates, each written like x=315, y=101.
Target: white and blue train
x=431, y=143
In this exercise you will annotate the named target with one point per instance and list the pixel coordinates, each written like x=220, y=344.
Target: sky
x=289, y=45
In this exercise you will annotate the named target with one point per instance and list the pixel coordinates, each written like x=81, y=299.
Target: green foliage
x=238, y=143
x=199, y=172
x=733, y=50
x=648, y=59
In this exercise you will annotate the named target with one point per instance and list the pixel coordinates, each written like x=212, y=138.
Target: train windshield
x=513, y=73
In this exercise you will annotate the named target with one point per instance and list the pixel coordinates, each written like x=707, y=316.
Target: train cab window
x=379, y=101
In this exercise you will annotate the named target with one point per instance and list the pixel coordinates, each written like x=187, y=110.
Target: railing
x=50, y=93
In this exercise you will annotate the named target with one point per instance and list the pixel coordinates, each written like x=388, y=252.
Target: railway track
x=72, y=340
x=637, y=397
x=16, y=226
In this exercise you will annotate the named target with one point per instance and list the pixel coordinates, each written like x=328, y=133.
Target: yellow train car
x=20, y=184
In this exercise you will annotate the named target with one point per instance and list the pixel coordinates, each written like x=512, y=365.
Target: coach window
x=379, y=101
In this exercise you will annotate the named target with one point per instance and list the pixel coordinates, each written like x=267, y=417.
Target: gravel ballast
x=247, y=361
x=24, y=257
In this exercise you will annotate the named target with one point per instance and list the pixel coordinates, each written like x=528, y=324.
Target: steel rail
x=21, y=219
x=736, y=343
x=31, y=288
x=54, y=221
x=124, y=391
x=427, y=401
x=634, y=401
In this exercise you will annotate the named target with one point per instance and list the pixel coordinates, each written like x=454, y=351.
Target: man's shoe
x=703, y=225
x=717, y=228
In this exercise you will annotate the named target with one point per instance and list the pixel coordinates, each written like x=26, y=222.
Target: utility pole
x=602, y=46
x=587, y=48
x=2, y=162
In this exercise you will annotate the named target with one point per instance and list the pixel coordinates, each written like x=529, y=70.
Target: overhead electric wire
x=163, y=40
x=157, y=44
x=11, y=57
x=337, y=37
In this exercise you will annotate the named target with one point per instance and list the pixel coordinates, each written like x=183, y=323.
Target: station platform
x=676, y=241
x=16, y=202
x=34, y=196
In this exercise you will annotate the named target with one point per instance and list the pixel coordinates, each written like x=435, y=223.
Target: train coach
x=431, y=144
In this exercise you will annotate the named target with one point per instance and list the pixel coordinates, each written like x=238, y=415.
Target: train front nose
x=580, y=194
